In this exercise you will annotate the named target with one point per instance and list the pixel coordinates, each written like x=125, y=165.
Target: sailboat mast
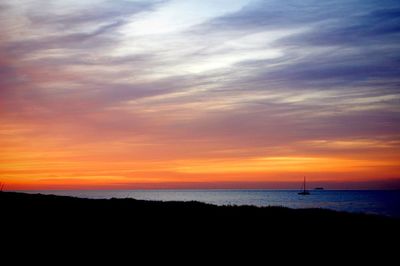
x=304, y=186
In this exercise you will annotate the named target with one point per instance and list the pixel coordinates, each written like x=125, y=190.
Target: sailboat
x=304, y=192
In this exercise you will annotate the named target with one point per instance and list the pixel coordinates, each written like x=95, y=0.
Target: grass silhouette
x=93, y=222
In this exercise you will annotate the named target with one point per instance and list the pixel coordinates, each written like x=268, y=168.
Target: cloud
x=73, y=14
x=258, y=78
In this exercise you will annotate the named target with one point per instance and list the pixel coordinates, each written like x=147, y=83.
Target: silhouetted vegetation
x=61, y=217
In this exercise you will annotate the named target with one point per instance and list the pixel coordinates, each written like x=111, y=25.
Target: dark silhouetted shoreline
x=136, y=211
x=55, y=218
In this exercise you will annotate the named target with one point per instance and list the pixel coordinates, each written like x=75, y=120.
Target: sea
x=381, y=202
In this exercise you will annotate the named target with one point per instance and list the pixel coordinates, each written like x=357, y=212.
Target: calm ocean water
x=384, y=202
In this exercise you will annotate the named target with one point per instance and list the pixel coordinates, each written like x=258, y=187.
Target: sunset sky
x=114, y=94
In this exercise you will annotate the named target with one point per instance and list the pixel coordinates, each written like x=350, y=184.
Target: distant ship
x=304, y=192
x=319, y=188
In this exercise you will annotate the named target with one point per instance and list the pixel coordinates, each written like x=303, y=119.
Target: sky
x=118, y=94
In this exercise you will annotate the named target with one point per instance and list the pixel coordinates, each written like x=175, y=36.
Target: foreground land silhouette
x=72, y=227
x=49, y=213
x=88, y=222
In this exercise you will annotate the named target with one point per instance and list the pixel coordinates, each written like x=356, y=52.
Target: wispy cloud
x=200, y=80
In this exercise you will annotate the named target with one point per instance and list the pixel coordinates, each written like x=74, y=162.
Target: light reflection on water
x=365, y=201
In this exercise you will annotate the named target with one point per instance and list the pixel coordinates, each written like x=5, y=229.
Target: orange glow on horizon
x=80, y=166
